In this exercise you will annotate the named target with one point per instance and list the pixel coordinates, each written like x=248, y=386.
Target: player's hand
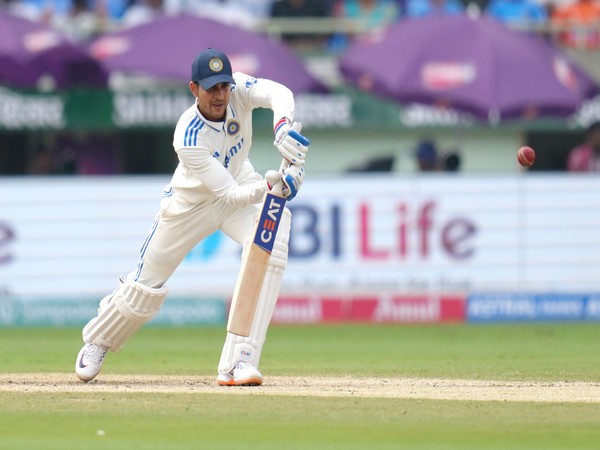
x=292, y=179
x=273, y=177
x=290, y=143
x=281, y=130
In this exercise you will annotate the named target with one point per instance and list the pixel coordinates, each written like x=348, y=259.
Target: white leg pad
x=123, y=313
x=239, y=348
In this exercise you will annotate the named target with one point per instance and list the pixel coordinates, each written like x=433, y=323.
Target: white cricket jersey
x=213, y=156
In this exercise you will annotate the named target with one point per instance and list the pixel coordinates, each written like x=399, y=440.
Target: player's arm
x=264, y=93
x=219, y=181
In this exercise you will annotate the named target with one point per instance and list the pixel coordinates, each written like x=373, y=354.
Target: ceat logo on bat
x=447, y=75
x=269, y=222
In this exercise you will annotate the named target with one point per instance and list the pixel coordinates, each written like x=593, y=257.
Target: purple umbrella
x=166, y=47
x=472, y=65
x=30, y=51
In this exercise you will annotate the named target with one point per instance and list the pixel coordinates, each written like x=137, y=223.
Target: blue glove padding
x=292, y=178
x=297, y=136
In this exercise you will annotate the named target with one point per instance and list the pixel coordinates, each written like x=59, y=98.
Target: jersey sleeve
x=218, y=180
x=264, y=93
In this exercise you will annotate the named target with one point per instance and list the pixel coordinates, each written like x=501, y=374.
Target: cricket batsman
x=214, y=187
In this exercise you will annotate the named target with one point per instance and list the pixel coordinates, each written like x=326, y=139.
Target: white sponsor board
x=70, y=237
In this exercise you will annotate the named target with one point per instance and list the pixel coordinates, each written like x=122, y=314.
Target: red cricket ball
x=526, y=156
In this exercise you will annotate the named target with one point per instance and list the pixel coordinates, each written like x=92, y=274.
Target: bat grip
x=278, y=187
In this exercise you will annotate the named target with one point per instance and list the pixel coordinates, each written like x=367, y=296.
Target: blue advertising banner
x=522, y=307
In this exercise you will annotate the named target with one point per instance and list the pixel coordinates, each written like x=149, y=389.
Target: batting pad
x=240, y=348
x=122, y=313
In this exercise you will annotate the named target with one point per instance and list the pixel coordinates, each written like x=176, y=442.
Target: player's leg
x=240, y=357
x=120, y=315
x=140, y=295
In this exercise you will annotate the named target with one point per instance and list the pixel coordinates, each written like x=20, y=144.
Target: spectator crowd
x=575, y=23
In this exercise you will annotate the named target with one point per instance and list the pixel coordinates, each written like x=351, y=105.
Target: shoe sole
x=244, y=382
x=85, y=379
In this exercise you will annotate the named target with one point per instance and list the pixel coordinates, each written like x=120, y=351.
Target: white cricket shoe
x=242, y=374
x=89, y=361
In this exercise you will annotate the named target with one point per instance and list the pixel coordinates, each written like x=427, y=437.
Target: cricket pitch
x=314, y=386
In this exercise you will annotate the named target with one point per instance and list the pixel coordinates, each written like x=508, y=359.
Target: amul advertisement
x=383, y=248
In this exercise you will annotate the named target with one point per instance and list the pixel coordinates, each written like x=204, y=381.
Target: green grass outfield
x=118, y=418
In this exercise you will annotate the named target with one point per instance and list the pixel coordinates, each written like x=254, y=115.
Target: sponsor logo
x=57, y=312
x=416, y=115
x=31, y=111
x=296, y=311
x=482, y=307
x=369, y=309
x=269, y=222
x=410, y=310
x=447, y=75
x=419, y=230
x=110, y=46
x=144, y=108
x=250, y=82
x=39, y=41
x=324, y=111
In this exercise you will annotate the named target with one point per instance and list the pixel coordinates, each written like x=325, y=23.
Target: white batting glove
x=273, y=177
x=290, y=143
x=292, y=179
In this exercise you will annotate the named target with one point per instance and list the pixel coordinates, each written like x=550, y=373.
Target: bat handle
x=283, y=165
x=278, y=187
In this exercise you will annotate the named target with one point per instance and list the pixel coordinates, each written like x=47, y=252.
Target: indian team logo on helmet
x=232, y=127
x=215, y=64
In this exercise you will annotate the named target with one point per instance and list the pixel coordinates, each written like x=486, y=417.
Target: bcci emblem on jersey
x=232, y=127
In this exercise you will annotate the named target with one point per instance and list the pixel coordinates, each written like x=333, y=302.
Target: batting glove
x=290, y=143
x=292, y=178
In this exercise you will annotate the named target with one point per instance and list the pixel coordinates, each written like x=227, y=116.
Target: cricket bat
x=255, y=262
